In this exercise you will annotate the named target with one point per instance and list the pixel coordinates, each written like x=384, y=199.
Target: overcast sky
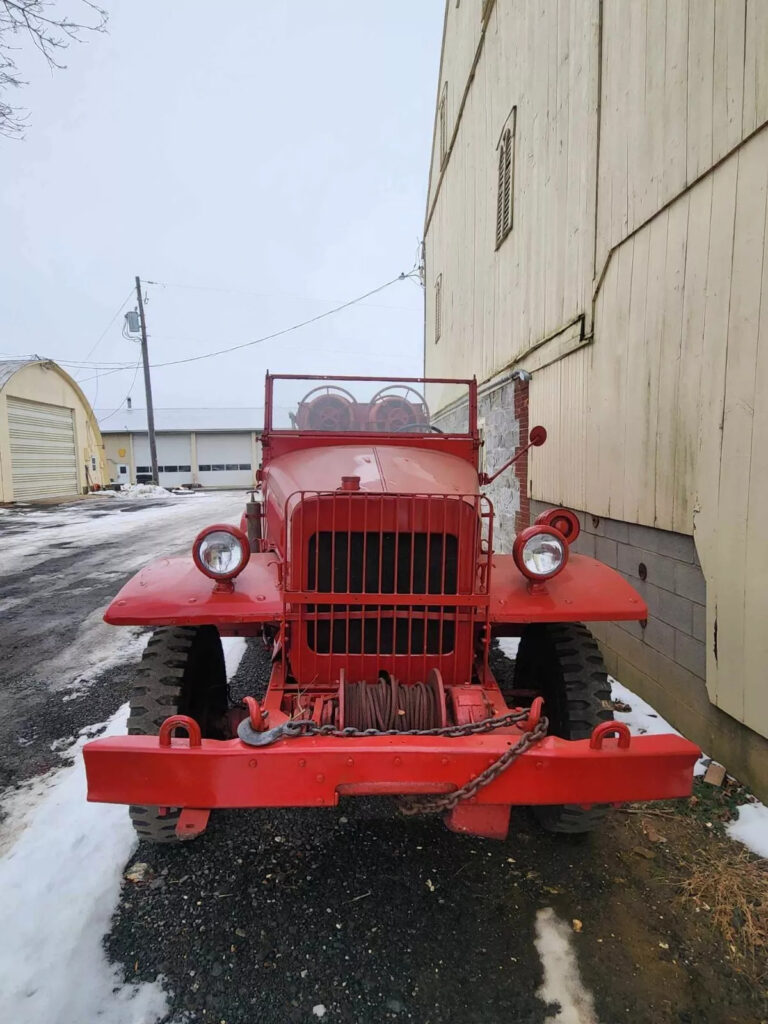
x=271, y=158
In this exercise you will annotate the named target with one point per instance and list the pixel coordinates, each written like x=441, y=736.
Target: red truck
x=367, y=562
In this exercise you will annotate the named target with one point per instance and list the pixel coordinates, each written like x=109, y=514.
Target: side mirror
x=537, y=436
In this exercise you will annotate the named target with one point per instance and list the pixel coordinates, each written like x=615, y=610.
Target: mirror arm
x=485, y=479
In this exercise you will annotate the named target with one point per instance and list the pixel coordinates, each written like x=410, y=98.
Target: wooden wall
x=541, y=57
x=641, y=180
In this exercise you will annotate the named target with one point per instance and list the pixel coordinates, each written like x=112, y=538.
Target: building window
x=169, y=469
x=443, y=124
x=185, y=469
x=505, y=185
x=244, y=465
x=218, y=469
x=437, y=308
x=142, y=469
x=204, y=469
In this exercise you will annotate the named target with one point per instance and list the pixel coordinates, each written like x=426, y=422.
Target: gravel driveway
x=353, y=914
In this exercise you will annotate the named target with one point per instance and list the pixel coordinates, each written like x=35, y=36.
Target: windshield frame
x=319, y=379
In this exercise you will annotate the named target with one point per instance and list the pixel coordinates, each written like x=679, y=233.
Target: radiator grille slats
x=395, y=582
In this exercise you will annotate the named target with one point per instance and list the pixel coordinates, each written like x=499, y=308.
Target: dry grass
x=732, y=886
x=710, y=872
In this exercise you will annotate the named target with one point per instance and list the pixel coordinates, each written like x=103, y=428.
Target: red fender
x=585, y=591
x=173, y=592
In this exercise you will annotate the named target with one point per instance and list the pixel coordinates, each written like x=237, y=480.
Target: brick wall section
x=664, y=568
x=523, y=517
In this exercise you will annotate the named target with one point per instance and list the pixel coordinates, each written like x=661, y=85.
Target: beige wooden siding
x=463, y=28
x=640, y=196
x=497, y=304
x=677, y=429
x=682, y=84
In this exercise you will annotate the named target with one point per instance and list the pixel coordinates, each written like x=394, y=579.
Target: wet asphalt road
x=61, y=565
x=272, y=915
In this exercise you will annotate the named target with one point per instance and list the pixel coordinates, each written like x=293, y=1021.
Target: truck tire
x=563, y=662
x=181, y=672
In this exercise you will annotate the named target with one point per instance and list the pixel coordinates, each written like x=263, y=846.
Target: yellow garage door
x=43, y=453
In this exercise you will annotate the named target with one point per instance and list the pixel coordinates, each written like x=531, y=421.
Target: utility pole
x=147, y=385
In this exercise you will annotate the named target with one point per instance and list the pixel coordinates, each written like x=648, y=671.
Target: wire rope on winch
x=388, y=704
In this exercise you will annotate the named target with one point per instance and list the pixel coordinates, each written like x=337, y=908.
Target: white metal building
x=205, y=447
x=50, y=445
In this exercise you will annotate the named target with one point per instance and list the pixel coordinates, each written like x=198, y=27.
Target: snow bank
x=61, y=883
x=144, y=491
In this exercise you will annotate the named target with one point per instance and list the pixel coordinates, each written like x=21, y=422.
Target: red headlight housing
x=221, y=551
x=540, y=552
x=562, y=520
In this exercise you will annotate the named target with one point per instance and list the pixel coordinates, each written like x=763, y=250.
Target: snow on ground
x=60, y=883
x=562, y=982
x=509, y=645
x=751, y=827
x=234, y=649
x=96, y=649
x=47, y=534
x=644, y=720
x=61, y=865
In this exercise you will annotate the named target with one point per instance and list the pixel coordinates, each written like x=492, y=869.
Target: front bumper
x=310, y=771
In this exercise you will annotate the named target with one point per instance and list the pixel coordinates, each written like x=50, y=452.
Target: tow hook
x=260, y=737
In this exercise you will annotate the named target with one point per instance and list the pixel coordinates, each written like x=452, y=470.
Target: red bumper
x=316, y=770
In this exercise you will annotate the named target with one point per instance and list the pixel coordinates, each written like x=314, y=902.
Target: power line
x=288, y=330
x=275, y=334
x=109, y=416
x=117, y=313
x=264, y=295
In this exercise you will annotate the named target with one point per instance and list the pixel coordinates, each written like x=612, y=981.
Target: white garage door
x=224, y=460
x=174, y=458
x=43, y=452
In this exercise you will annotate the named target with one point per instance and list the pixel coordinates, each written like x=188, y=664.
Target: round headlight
x=221, y=552
x=540, y=552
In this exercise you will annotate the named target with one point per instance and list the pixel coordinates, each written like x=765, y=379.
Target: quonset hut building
x=50, y=444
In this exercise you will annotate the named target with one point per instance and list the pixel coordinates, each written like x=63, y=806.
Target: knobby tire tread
x=167, y=682
x=564, y=661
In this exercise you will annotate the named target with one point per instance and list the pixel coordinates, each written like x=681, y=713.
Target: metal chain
x=435, y=804
x=308, y=727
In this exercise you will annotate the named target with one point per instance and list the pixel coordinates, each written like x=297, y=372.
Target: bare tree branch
x=51, y=31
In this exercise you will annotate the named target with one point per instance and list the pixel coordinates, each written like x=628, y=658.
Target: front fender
x=173, y=592
x=585, y=591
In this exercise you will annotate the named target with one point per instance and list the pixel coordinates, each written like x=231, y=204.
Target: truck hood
x=381, y=468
